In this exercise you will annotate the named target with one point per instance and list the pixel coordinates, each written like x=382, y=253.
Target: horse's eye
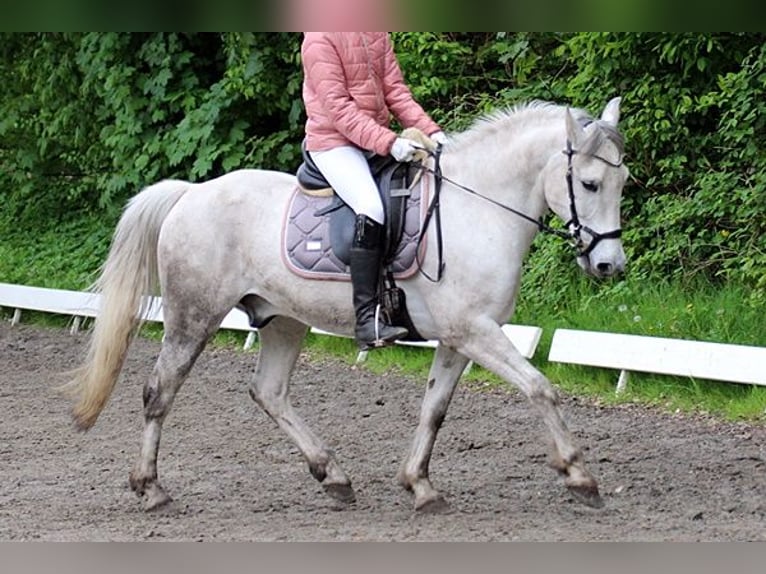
x=590, y=186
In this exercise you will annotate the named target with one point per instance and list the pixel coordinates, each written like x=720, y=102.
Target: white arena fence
x=679, y=357
x=80, y=305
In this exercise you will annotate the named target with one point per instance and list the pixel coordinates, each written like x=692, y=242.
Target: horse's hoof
x=340, y=492
x=587, y=494
x=155, y=497
x=435, y=505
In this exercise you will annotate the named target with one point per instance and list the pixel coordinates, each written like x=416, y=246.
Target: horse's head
x=583, y=186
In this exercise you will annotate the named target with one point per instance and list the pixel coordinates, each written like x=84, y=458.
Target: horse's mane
x=518, y=118
x=510, y=120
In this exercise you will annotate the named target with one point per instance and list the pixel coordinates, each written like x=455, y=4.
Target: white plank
x=236, y=320
x=62, y=301
x=680, y=357
x=83, y=304
x=524, y=337
x=48, y=300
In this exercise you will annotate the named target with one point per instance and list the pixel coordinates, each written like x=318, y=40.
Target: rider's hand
x=404, y=149
x=439, y=137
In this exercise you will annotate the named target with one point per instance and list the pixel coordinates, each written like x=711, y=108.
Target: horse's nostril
x=604, y=268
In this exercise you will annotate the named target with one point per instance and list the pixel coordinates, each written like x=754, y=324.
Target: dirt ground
x=235, y=477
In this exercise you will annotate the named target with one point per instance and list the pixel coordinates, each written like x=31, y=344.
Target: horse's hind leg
x=281, y=342
x=180, y=348
x=445, y=372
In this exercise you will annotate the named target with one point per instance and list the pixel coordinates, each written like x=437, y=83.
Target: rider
x=352, y=86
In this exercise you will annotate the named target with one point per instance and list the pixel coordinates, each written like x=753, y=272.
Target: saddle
x=393, y=180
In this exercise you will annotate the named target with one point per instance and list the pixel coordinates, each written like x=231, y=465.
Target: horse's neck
x=505, y=170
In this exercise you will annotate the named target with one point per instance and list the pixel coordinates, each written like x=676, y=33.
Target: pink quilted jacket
x=352, y=85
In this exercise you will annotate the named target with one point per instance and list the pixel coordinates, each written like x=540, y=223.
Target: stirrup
x=378, y=341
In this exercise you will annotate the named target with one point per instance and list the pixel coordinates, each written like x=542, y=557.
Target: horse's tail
x=127, y=276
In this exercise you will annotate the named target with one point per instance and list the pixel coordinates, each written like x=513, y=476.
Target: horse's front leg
x=445, y=372
x=281, y=342
x=489, y=347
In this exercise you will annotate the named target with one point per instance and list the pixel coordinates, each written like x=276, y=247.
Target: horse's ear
x=575, y=132
x=611, y=113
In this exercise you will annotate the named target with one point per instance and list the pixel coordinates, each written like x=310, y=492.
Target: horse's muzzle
x=602, y=267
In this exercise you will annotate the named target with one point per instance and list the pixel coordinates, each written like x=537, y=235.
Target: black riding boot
x=365, y=272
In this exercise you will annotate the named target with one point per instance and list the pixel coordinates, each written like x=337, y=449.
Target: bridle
x=574, y=221
x=574, y=229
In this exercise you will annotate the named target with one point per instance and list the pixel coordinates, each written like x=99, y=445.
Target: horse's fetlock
x=318, y=467
x=408, y=479
x=558, y=464
x=138, y=483
x=318, y=471
x=565, y=464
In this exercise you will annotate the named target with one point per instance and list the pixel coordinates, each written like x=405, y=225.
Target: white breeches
x=346, y=170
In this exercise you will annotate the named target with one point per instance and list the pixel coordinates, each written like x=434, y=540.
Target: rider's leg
x=347, y=171
x=365, y=272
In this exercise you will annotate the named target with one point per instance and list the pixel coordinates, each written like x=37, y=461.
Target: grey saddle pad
x=306, y=247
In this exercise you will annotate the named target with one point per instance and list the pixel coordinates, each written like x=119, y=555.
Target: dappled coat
x=352, y=86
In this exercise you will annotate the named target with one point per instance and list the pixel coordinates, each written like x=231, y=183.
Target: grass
x=694, y=310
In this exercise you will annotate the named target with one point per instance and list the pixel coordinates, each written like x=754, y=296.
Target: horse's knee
x=542, y=392
x=269, y=397
x=256, y=393
x=274, y=405
x=258, y=396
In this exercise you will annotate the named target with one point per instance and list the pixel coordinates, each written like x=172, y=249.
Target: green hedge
x=87, y=119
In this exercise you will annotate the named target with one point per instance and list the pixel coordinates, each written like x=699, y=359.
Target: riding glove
x=439, y=137
x=404, y=150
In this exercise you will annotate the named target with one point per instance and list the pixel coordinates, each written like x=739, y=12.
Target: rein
x=433, y=208
x=575, y=235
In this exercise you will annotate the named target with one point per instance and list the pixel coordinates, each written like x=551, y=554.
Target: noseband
x=574, y=225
